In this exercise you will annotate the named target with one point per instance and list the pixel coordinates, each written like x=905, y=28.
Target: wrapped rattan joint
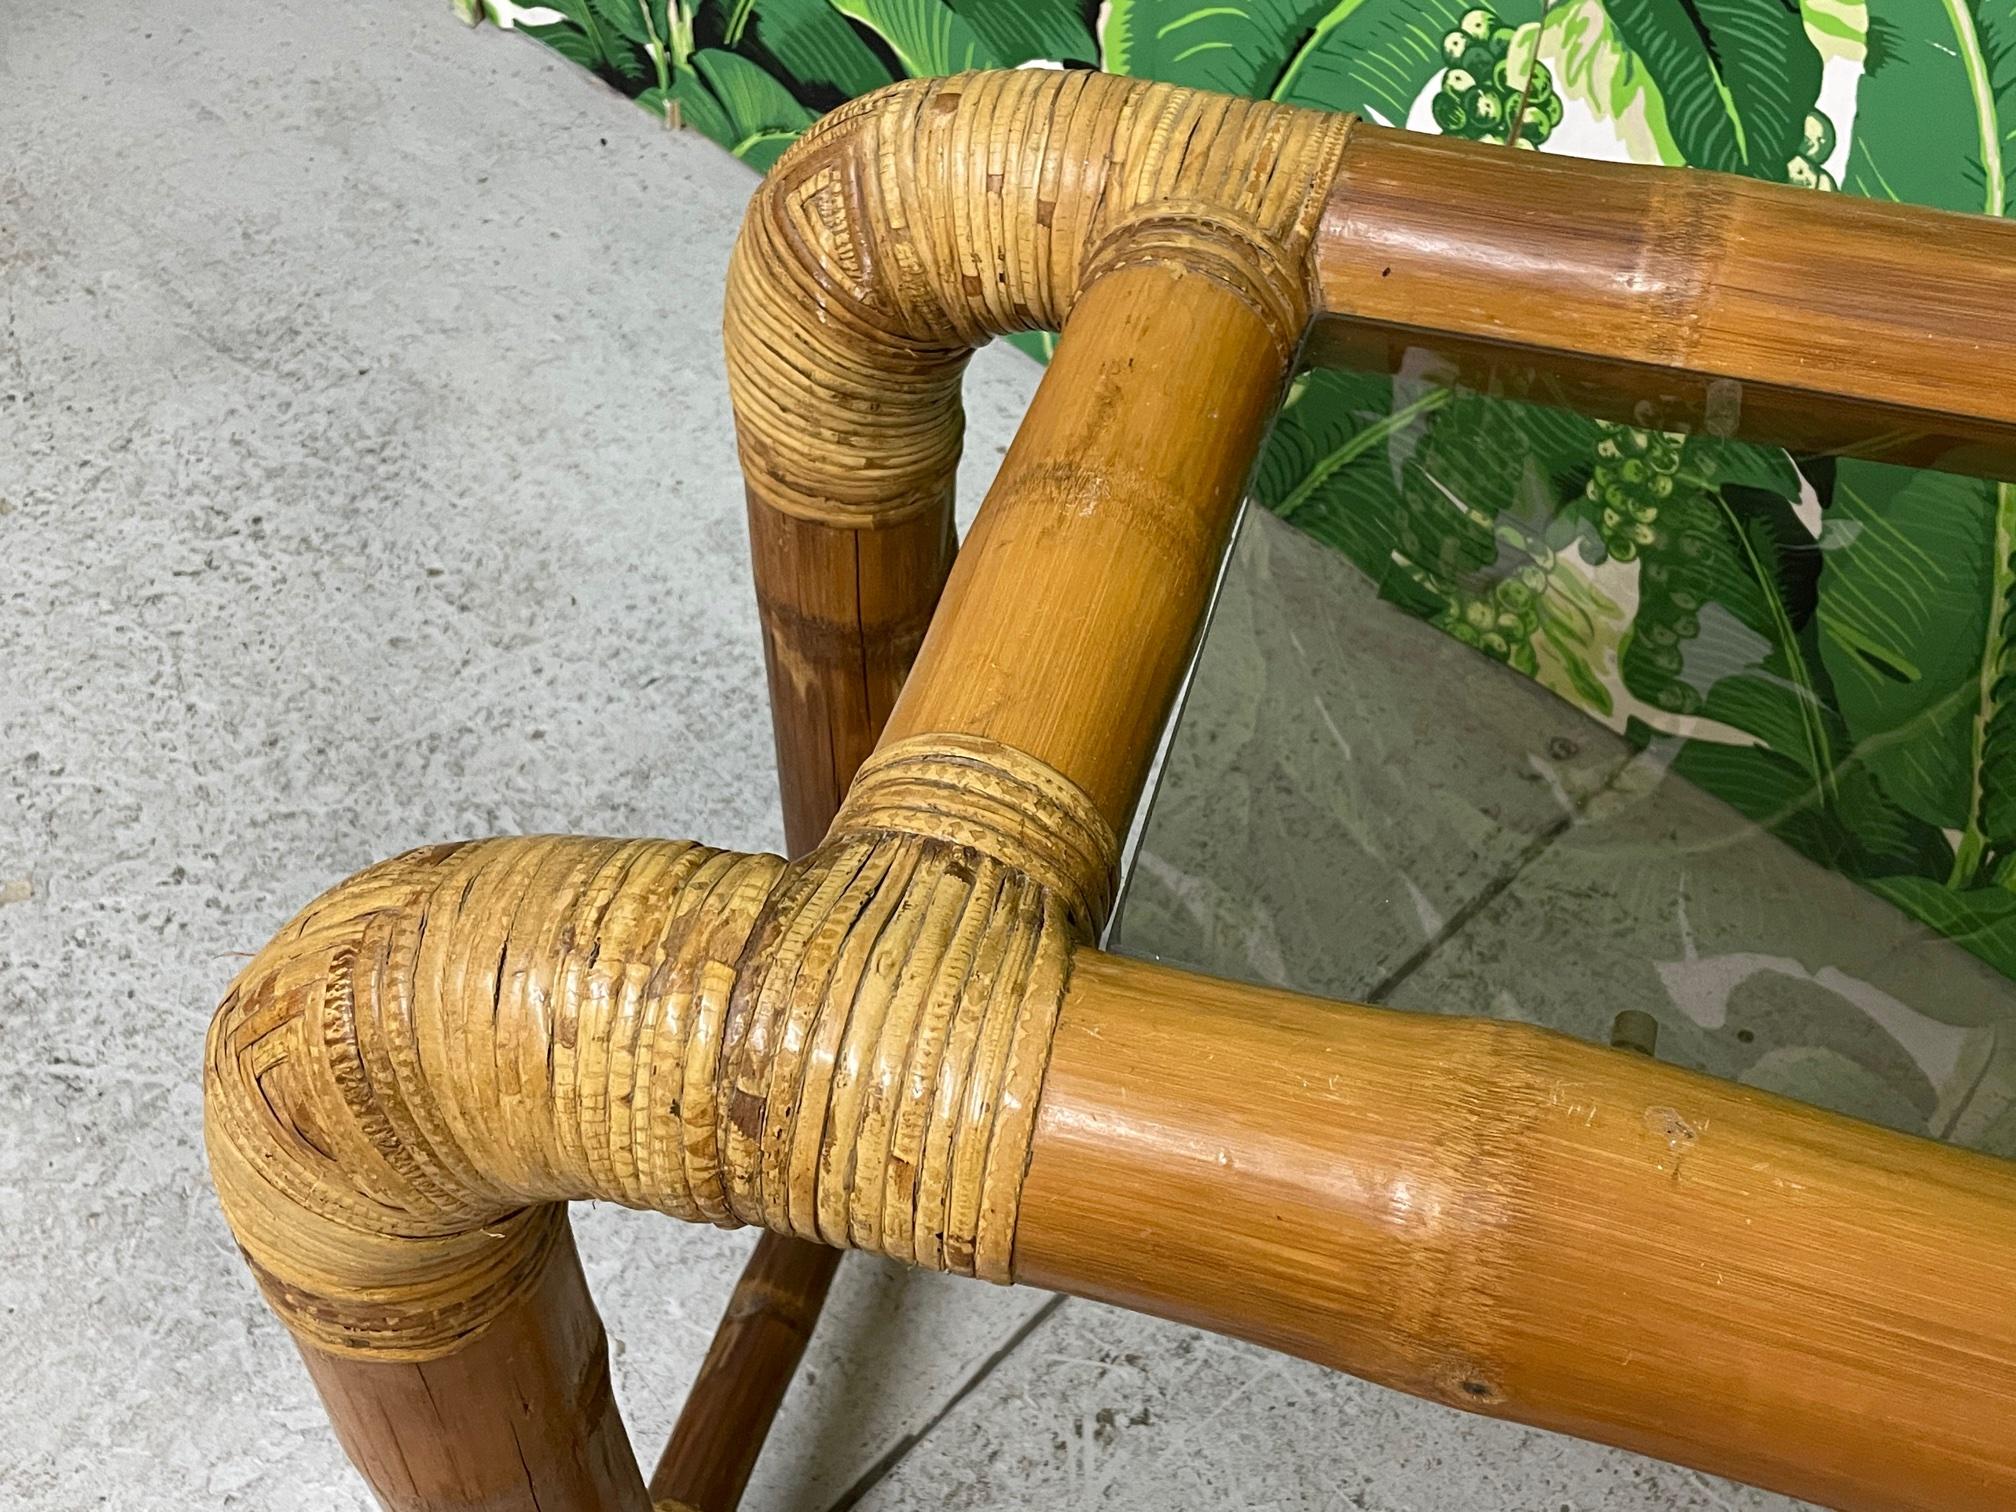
x=404, y=1085
x=931, y=216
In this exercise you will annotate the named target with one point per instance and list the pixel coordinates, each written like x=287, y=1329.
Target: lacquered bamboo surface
x=1070, y=617
x=903, y=230
x=1490, y=1215
x=1673, y=298
x=729, y=1409
x=522, y=1417
x=843, y=613
x=1513, y=1222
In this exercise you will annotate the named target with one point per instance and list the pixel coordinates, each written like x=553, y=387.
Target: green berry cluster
x=1501, y=620
x=1479, y=96
x=1803, y=171
x=1673, y=583
x=1630, y=483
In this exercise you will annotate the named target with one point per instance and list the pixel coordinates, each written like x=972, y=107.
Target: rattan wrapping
x=926, y=218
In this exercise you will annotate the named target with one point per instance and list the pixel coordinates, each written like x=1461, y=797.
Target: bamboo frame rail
x=905, y=229
x=1683, y=300
x=1503, y=1219
x=817, y=596
x=713, y=1447
x=902, y=1040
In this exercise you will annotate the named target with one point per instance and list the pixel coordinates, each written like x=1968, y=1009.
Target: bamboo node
x=1232, y=252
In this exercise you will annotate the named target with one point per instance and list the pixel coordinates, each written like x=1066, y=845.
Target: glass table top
x=1356, y=803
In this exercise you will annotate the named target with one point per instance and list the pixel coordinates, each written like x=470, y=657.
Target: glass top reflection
x=1503, y=711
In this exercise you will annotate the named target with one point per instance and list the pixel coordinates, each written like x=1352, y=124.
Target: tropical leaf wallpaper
x=1828, y=645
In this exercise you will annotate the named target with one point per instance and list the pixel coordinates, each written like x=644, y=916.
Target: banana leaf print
x=763, y=118
x=1461, y=508
x=813, y=46
x=1725, y=632
x=1935, y=118
x=1372, y=56
x=584, y=34
x=1613, y=108
x=1837, y=28
x=1237, y=47
x=1046, y=31
x=1737, y=78
x=1923, y=661
x=1826, y=647
x=927, y=36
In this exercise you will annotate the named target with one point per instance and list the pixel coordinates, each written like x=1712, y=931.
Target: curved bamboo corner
x=904, y=230
x=902, y=1041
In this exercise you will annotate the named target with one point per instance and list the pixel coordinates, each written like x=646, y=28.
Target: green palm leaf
x=1725, y=632
x=928, y=37
x=1859, y=832
x=763, y=117
x=573, y=44
x=1021, y=30
x=686, y=101
x=1600, y=79
x=1918, y=631
x=1233, y=46
x=1413, y=482
x=586, y=39
x=1716, y=633
x=1980, y=919
x=632, y=20
x=1370, y=56
x=1839, y=28
x=810, y=41
x=1935, y=112
x=1737, y=77
x=1327, y=464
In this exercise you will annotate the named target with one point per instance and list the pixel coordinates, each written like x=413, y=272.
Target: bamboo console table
x=906, y=1041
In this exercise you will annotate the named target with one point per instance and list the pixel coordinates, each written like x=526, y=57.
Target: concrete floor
x=366, y=479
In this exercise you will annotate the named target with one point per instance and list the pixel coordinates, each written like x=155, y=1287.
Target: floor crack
x=894, y=1454
x=1533, y=850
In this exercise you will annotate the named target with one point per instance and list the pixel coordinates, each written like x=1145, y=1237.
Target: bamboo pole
x=522, y=1417
x=849, y=428
x=1487, y=1214
x=913, y=224
x=1674, y=299
x=846, y=580
x=843, y=611
x=1512, y=1222
x=843, y=608
x=1071, y=614
x=713, y=1447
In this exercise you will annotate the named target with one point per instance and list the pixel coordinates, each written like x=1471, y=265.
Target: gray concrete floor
x=366, y=479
